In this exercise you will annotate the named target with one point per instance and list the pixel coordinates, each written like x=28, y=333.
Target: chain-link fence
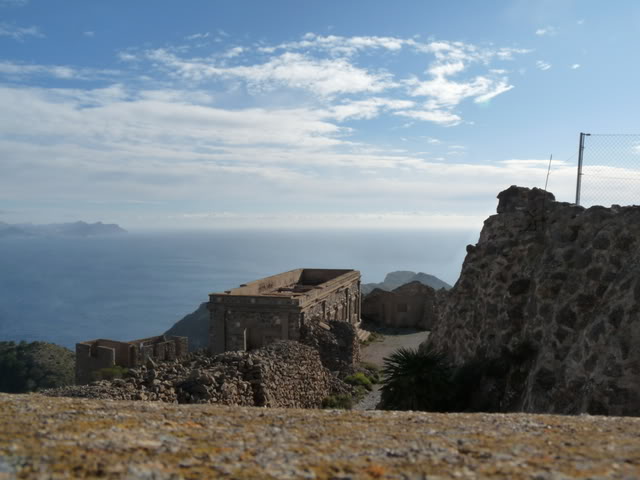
x=609, y=170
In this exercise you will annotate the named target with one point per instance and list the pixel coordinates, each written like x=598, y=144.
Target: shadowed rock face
x=562, y=281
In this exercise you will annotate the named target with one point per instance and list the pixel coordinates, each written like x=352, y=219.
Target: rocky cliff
x=553, y=290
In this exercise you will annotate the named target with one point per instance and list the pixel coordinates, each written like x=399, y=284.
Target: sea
x=135, y=285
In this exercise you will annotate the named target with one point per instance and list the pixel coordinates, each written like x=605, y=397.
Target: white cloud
x=293, y=70
x=89, y=34
x=19, y=33
x=213, y=128
x=546, y=31
x=366, y=109
x=304, y=66
x=575, y=66
x=543, y=65
x=233, y=52
x=441, y=117
x=340, y=46
x=18, y=69
x=65, y=72
x=127, y=57
x=13, y=3
x=197, y=36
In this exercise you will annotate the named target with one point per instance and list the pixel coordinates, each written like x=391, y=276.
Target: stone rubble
x=283, y=374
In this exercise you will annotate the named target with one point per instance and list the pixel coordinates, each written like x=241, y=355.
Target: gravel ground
x=393, y=339
x=55, y=438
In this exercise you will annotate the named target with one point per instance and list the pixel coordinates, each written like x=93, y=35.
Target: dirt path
x=393, y=339
x=376, y=352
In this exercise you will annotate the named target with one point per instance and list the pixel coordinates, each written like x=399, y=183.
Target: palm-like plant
x=416, y=379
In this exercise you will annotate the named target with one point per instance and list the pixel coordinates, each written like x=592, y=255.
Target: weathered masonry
x=278, y=307
x=95, y=355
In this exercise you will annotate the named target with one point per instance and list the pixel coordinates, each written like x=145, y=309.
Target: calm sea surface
x=65, y=290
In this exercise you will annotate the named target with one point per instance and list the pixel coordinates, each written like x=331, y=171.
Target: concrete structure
x=281, y=306
x=409, y=306
x=97, y=354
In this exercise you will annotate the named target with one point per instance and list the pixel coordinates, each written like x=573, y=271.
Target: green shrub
x=359, y=379
x=341, y=401
x=423, y=380
x=371, y=371
x=416, y=380
x=109, y=373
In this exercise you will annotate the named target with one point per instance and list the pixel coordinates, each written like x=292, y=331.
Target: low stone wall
x=284, y=374
x=99, y=354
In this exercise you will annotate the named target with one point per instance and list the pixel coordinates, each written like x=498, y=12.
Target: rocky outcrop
x=284, y=374
x=408, y=306
x=553, y=289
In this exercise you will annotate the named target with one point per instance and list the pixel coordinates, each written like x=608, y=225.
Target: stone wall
x=276, y=308
x=284, y=374
x=409, y=306
x=336, y=342
x=555, y=288
x=98, y=354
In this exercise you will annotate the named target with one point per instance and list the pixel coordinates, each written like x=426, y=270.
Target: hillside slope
x=195, y=326
x=25, y=367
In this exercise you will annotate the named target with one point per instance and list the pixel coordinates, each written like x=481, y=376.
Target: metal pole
x=580, y=152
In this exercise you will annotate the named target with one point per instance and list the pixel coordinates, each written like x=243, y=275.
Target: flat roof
x=291, y=284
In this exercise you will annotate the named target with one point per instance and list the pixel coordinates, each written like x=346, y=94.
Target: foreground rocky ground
x=47, y=437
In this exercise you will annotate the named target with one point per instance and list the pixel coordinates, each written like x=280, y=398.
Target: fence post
x=580, y=152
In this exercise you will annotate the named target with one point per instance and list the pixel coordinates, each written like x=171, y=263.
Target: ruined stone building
x=282, y=307
x=94, y=355
x=412, y=305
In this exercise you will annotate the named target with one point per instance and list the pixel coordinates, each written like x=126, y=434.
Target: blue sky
x=212, y=114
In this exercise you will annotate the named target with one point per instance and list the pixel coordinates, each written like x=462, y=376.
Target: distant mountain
x=75, y=229
x=195, y=326
x=394, y=280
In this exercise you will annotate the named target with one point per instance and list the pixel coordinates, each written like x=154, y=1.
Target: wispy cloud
x=575, y=66
x=547, y=31
x=89, y=34
x=20, y=70
x=332, y=66
x=543, y=65
x=13, y=3
x=292, y=70
x=198, y=36
x=177, y=134
x=19, y=33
